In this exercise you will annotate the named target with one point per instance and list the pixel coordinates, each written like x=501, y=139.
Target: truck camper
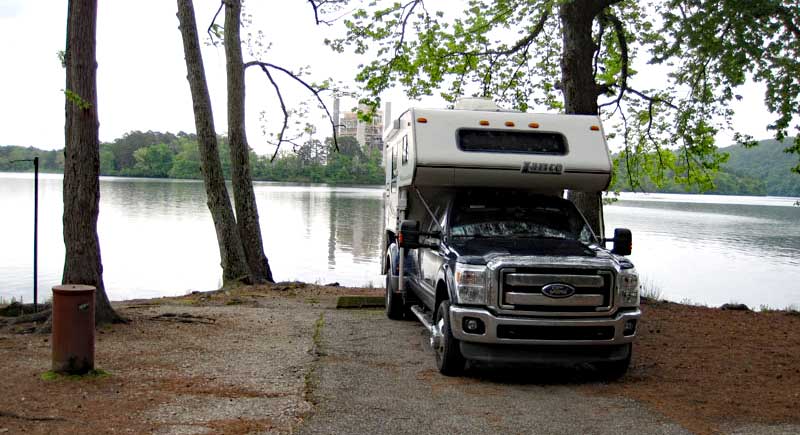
x=481, y=246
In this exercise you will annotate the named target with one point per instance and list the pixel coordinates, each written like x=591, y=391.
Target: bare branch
x=265, y=66
x=283, y=107
x=214, y=20
x=315, y=6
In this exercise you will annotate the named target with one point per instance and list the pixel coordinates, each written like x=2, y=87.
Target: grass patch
x=649, y=290
x=92, y=374
x=360, y=302
x=310, y=377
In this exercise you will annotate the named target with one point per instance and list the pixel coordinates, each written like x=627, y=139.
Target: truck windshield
x=556, y=219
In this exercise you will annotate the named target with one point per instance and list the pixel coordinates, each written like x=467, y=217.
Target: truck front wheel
x=394, y=301
x=448, y=354
x=613, y=370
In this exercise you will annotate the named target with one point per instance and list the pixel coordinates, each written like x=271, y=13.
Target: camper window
x=500, y=141
x=405, y=149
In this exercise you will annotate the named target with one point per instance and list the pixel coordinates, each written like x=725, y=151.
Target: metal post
x=35, y=234
x=35, y=161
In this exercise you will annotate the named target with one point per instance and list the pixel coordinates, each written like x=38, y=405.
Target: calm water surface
x=157, y=239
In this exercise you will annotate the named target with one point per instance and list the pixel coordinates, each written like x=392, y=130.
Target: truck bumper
x=514, y=339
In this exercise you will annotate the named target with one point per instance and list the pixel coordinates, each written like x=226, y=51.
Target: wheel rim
x=388, y=288
x=437, y=337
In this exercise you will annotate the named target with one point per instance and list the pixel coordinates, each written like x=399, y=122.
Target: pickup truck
x=498, y=266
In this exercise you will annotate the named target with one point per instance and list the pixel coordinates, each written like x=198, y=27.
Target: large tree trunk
x=231, y=252
x=246, y=208
x=579, y=87
x=82, y=263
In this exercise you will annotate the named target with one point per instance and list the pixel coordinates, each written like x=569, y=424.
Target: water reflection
x=157, y=239
x=731, y=249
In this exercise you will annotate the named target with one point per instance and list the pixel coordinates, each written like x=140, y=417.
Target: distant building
x=368, y=134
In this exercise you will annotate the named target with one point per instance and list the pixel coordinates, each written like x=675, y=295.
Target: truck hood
x=481, y=251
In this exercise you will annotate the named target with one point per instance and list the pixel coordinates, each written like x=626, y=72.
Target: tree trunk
x=82, y=262
x=579, y=88
x=234, y=266
x=246, y=208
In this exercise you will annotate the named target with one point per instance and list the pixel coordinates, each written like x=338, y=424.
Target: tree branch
x=283, y=108
x=315, y=6
x=265, y=66
x=622, y=40
x=786, y=18
x=214, y=20
x=523, y=43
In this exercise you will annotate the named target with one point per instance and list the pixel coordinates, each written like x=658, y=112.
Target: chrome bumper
x=491, y=322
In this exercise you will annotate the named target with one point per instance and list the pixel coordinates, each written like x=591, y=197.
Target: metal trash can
x=73, y=328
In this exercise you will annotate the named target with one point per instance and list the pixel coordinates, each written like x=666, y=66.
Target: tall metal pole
x=35, y=234
x=35, y=161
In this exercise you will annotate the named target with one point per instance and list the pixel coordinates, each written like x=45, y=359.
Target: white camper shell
x=493, y=148
x=482, y=248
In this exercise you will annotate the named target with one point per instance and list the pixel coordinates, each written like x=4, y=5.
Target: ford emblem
x=558, y=291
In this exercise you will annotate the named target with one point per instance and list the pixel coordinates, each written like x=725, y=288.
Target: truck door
x=432, y=259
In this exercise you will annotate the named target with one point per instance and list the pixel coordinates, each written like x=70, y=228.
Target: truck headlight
x=629, y=288
x=471, y=284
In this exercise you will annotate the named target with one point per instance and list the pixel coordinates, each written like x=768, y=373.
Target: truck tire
x=448, y=353
x=614, y=370
x=394, y=301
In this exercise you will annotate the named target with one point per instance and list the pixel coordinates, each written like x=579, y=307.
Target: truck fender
x=393, y=257
x=445, y=286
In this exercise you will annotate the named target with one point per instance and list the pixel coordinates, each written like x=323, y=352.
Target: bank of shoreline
x=252, y=367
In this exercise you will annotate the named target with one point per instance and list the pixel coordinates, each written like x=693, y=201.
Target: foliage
x=76, y=99
x=761, y=170
x=768, y=163
x=140, y=154
x=49, y=161
x=513, y=52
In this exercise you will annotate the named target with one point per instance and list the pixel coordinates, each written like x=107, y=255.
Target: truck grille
x=521, y=289
x=527, y=332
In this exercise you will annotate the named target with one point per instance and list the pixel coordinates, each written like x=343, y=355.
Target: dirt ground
x=245, y=361
x=710, y=369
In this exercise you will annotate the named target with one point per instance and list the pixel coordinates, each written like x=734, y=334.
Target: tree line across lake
x=762, y=170
x=167, y=155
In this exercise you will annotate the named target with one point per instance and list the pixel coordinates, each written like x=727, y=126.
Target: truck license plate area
x=526, y=332
x=578, y=290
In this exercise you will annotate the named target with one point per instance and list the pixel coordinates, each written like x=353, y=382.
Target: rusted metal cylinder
x=73, y=328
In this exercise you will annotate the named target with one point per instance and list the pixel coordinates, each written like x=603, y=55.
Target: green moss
x=91, y=374
x=360, y=302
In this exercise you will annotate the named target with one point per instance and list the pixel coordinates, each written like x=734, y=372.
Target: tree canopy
x=527, y=53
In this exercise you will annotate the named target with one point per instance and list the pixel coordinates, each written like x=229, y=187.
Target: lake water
x=157, y=239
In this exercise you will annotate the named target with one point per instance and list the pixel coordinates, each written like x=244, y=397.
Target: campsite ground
x=283, y=359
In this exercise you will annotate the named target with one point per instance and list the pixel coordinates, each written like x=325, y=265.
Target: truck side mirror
x=623, y=241
x=409, y=235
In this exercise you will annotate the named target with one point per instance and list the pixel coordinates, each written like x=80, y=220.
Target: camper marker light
x=509, y=124
x=595, y=128
x=533, y=125
x=483, y=122
x=422, y=120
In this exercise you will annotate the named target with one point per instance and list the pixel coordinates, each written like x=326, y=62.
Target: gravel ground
x=282, y=359
x=239, y=365
x=377, y=376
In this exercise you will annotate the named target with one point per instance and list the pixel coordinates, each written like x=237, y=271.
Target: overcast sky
x=142, y=75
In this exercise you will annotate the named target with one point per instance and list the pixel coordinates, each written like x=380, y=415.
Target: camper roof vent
x=473, y=103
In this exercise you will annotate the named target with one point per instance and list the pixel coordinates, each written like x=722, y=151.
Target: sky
x=142, y=74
